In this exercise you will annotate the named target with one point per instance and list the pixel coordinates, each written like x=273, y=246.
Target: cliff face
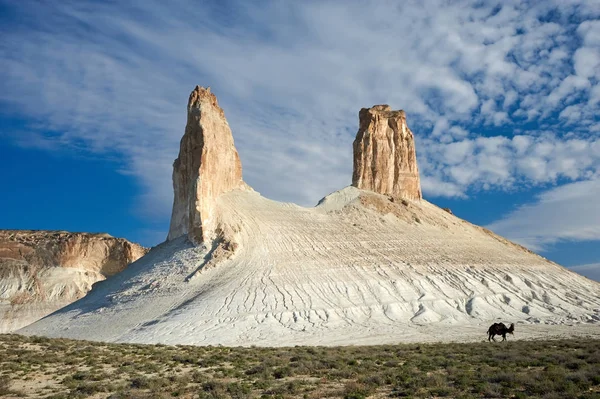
x=385, y=159
x=42, y=271
x=208, y=165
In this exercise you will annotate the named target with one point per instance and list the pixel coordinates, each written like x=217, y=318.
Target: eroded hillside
x=371, y=263
x=41, y=271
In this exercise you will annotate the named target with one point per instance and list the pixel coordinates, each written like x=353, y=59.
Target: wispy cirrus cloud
x=569, y=212
x=500, y=94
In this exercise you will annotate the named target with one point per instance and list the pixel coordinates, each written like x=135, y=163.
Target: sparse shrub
x=198, y=377
x=258, y=369
x=238, y=391
x=575, y=364
x=152, y=383
x=88, y=389
x=214, y=390
x=354, y=390
x=441, y=391
x=282, y=372
x=4, y=385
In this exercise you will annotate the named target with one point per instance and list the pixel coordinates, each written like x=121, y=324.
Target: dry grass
x=60, y=368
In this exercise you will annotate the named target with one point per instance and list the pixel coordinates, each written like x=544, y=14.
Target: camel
x=500, y=329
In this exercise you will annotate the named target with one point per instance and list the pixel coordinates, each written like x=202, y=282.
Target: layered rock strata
x=385, y=159
x=42, y=271
x=208, y=165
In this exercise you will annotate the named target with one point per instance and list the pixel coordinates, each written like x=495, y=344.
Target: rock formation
x=208, y=166
x=42, y=271
x=385, y=159
x=362, y=267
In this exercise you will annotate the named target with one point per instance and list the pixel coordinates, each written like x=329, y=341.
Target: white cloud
x=498, y=162
x=509, y=99
x=566, y=213
x=590, y=32
x=113, y=78
x=436, y=187
x=570, y=85
x=587, y=61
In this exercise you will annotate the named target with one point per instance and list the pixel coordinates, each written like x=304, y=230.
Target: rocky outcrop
x=385, y=159
x=208, y=165
x=368, y=265
x=42, y=271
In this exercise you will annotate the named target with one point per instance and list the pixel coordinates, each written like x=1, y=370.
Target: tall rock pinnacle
x=385, y=159
x=208, y=165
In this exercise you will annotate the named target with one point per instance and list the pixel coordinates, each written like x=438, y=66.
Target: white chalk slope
x=356, y=269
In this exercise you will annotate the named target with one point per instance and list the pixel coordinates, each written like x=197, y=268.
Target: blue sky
x=503, y=97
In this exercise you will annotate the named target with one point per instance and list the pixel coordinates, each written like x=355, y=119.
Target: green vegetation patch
x=61, y=368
